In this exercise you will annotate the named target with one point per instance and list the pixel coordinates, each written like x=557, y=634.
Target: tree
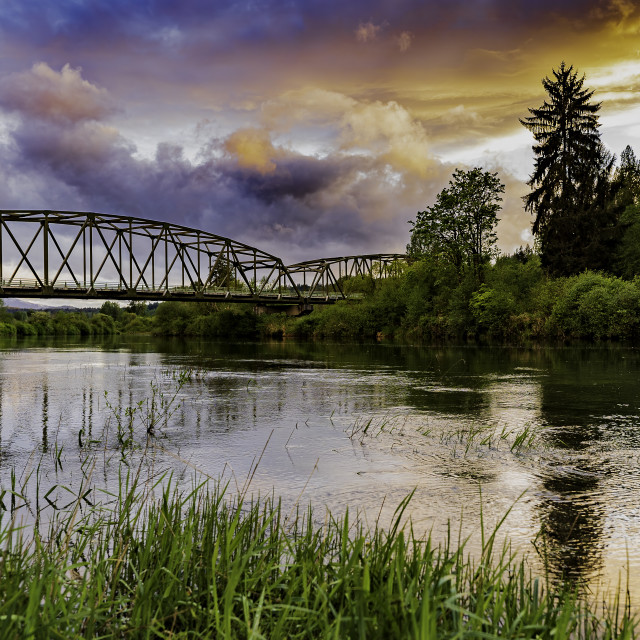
x=460, y=226
x=139, y=308
x=627, y=178
x=112, y=309
x=570, y=184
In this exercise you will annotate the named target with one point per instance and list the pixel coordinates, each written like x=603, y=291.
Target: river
x=550, y=437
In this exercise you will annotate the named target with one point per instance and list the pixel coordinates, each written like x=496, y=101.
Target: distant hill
x=15, y=303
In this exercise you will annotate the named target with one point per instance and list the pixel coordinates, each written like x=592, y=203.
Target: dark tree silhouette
x=627, y=179
x=570, y=184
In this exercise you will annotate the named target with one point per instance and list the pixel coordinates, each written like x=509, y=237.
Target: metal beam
x=108, y=272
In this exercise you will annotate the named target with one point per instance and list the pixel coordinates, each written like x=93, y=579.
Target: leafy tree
x=112, y=309
x=137, y=307
x=460, y=226
x=571, y=191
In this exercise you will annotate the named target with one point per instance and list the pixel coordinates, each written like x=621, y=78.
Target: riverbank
x=510, y=302
x=200, y=564
x=513, y=302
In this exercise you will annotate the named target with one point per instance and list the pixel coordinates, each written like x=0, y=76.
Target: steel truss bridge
x=83, y=255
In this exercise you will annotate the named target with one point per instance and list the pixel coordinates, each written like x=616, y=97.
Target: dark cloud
x=236, y=26
x=292, y=205
x=323, y=114
x=296, y=177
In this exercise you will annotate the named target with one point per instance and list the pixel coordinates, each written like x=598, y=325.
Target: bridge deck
x=83, y=255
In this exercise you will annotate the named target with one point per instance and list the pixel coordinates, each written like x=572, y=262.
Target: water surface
x=550, y=434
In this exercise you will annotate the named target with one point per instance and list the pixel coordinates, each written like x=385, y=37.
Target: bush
x=25, y=329
x=597, y=306
x=103, y=325
x=42, y=323
x=492, y=309
x=138, y=324
x=7, y=330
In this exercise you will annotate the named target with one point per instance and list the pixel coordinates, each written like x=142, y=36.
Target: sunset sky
x=306, y=128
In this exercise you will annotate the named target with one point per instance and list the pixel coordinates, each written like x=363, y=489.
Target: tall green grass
x=154, y=562
x=148, y=559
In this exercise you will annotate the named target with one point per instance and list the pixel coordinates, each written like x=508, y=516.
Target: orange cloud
x=252, y=148
x=367, y=31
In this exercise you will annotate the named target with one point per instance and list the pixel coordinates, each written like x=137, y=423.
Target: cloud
x=367, y=31
x=53, y=95
x=371, y=171
x=252, y=149
x=389, y=131
x=404, y=41
x=242, y=185
x=461, y=115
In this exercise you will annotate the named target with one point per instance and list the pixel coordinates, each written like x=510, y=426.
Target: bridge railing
x=338, y=276
x=92, y=255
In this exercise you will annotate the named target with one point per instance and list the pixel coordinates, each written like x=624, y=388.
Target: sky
x=306, y=128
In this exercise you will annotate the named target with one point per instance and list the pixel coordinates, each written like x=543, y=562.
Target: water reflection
x=442, y=421
x=586, y=396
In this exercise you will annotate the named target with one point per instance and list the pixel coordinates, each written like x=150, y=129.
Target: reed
x=148, y=558
x=153, y=561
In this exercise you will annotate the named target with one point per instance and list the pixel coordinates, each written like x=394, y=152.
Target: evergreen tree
x=570, y=184
x=627, y=176
x=627, y=180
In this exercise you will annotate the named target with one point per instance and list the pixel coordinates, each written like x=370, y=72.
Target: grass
x=148, y=559
x=200, y=564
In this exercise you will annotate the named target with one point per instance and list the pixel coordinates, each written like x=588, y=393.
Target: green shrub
x=103, y=325
x=492, y=309
x=42, y=323
x=7, y=330
x=138, y=324
x=594, y=305
x=25, y=329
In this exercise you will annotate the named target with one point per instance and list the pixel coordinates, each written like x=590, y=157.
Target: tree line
x=581, y=279
x=585, y=207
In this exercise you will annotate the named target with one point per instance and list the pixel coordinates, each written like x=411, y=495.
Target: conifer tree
x=570, y=184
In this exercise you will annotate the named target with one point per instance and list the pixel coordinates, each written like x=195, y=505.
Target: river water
x=548, y=437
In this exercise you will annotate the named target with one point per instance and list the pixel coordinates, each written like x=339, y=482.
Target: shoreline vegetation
x=512, y=301
x=150, y=561
x=149, y=556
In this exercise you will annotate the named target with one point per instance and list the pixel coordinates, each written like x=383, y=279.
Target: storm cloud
x=243, y=186
x=307, y=129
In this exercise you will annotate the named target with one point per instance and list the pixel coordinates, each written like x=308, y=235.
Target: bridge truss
x=67, y=254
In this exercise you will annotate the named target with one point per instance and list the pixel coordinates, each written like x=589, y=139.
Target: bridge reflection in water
x=68, y=254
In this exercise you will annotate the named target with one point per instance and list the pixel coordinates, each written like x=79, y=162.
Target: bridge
x=84, y=255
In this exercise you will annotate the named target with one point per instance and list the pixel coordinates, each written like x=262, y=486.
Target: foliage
x=572, y=195
x=597, y=306
x=460, y=226
x=492, y=308
x=112, y=309
x=138, y=308
x=155, y=562
x=517, y=302
x=627, y=176
x=627, y=260
x=207, y=320
x=7, y=330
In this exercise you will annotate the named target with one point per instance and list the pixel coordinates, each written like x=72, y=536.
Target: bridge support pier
x=301, y=309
